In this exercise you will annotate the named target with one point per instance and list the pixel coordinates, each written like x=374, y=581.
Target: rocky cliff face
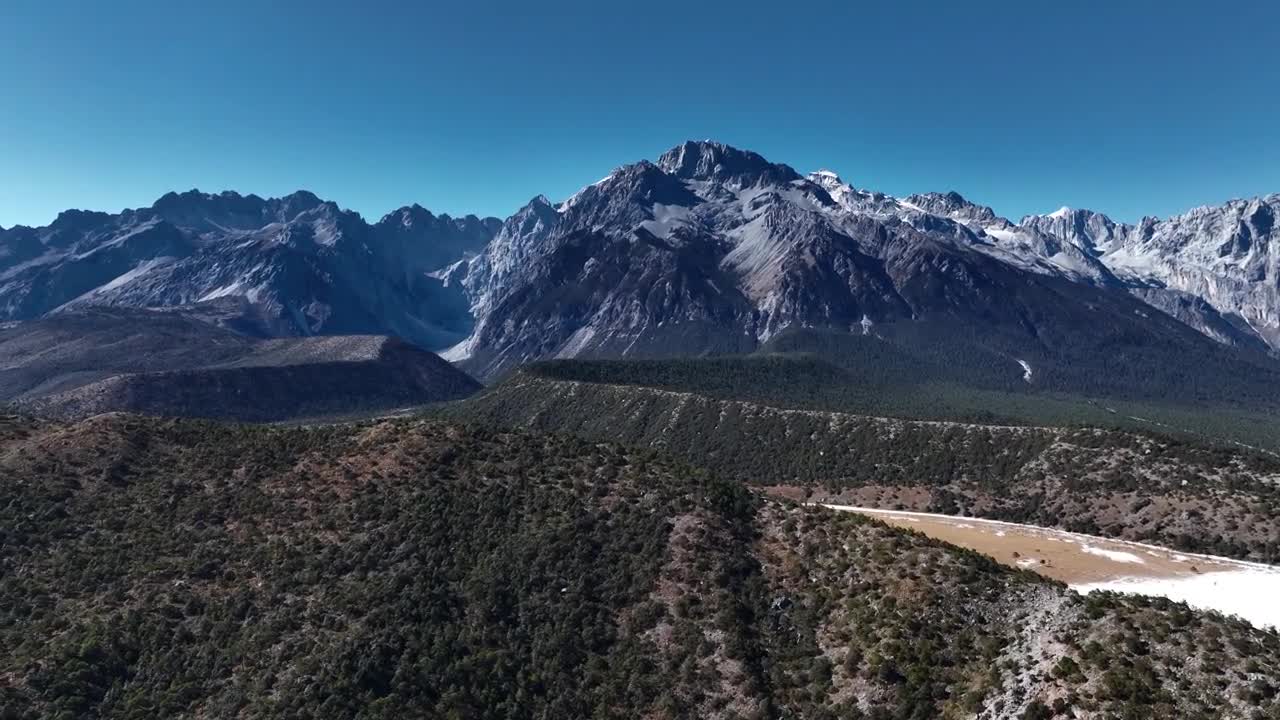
x=1227, y=256
x=715, y=249
x=297, y=265
x=708, y=249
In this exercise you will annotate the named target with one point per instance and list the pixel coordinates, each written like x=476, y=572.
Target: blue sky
x=1127, y=107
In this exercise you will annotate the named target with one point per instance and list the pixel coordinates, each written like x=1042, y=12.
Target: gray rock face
x=296, y=265
x=1227, y=256
x=1085, y=229
x=714, y=249
x=708, y=249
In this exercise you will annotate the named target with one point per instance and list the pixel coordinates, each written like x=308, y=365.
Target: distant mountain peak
x=194, y=204
x=953, y=205
x=709, y=160
x=303, y=197
x=195, y=195
x=76, y=219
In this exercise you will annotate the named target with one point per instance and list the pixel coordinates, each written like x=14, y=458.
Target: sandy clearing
x=1088, y=563
x=1070, y=557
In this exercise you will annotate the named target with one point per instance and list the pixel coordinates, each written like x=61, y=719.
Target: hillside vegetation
x=958, y=382
x=422, y=569
x=1169, y=490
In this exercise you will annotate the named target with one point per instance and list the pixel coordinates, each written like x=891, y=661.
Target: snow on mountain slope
x=974, y=224
x=298, y=265
x=707, y=249
x=713, y=249
x=1227, y=256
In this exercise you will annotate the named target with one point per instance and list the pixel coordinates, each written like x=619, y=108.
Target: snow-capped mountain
x=295, y=265
x=1226, y=257
x=714, y=249
x=707, y=249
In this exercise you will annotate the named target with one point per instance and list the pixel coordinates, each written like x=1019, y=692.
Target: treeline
x=945, y=380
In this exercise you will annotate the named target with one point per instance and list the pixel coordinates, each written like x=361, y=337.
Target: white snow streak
x=1249, y=593
x=1113, y=555
x=1026, y=370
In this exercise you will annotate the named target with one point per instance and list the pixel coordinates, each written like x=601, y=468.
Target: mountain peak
x=538, y=208
x=942, y=203
x=300, y=201
x=172, y=202
x=827, y=179
x=1067, y=215
x=408, y=216
x=709, y=160
x=75, y=219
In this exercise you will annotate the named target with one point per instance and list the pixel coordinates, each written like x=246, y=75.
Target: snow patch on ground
x=461, y=351
x=1232, y=587
x=1113, y=555
x=224, y=291
x=665, y=219
x=1026, y=370
x=1249, y=593
x=1000, y=233
x=577, y=342
x=138, y=271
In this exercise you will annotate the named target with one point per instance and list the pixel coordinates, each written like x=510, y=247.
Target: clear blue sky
x=474, y=106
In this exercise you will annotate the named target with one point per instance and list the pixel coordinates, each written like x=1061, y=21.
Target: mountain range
x=295, y=265
x=708, y=250
x=759, y=342
x=714, y=249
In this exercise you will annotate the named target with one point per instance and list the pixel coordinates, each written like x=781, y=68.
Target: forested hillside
x=423, y=569
x=866, y=376
x=1169, y=490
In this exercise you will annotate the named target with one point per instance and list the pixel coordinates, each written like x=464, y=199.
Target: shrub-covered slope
x=1138, y=486
x=418, y=569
